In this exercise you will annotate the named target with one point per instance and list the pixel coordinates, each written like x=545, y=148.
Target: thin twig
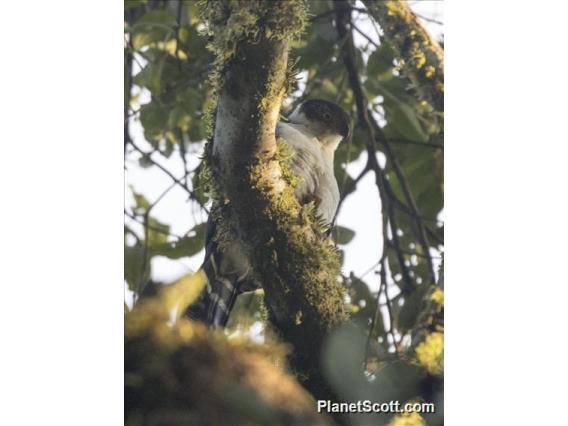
x=369, y=270
x=183, y=153
x=133, y=112
x=342, y=18
x=434, y=236
x=427, y=19
x=369, y=39
x=389, y=309
x=423, y=144
x=412, y=253
x=172, y=177
x=128, y=58
x=421, y=232
x=145, y=257
x=153, y=228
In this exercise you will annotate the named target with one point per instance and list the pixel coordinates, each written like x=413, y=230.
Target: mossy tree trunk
x=295, y=262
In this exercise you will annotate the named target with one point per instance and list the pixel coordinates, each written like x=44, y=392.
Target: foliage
x=156, y=242
x=399, y=328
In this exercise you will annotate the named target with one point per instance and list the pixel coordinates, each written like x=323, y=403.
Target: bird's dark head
x=325, y=119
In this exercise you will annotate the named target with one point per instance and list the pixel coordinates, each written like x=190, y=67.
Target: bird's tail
x=219, y=295
x=227, y=272
x=222, y=294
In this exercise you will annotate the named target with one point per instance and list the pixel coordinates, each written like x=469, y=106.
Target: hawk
x=313, y=132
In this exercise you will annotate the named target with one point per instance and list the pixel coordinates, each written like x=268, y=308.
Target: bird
x=313, y=132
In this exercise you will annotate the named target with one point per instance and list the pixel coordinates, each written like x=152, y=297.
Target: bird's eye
x=327, y=116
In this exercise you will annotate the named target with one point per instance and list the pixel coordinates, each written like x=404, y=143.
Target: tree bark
x=296, y=264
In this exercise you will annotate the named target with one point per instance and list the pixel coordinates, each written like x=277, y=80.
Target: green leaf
x=156, y=25
x=195, y=134
x=167, y=148
x=192, y=11
x=341, y=256
x=141, y=201
x=133, y=265
x=419, y=166
x=190, y=99
x=401, y=109
x=362, y=297
x=381, y=61
x=402, y=120
x=157, y=17
x=315, y=53
x=151, y=76
x=186, y=246
x=179, y=118
x=195, y=43
x=394, y=88
x=145, y=162
x=131, y=4
x=154, y=119
x=343, y=235
x=157, y=232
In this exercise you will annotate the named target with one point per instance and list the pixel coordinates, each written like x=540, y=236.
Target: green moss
x=284, y=157
x=188, y=368
x=422, y=57
x=289, y=247
x=307, y=263
x=253, y=194
x=231, y=22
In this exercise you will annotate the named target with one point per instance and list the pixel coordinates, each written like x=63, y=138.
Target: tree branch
x=423, y=56
x=343, y=16
x=128, y=58
x=374, y=133
x=369, y=39
x=421, y=232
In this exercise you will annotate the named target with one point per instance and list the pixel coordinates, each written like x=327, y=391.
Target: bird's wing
x=318, y=183
x=306, y=161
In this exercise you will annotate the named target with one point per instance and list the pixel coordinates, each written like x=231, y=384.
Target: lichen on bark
x=297, y=266
x=423, y=57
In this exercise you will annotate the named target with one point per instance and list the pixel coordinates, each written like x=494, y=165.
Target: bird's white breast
x=314, y=165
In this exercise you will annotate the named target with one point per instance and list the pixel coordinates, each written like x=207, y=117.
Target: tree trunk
x=297, y=265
